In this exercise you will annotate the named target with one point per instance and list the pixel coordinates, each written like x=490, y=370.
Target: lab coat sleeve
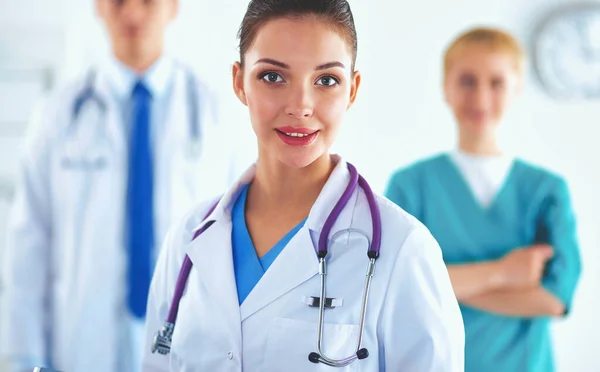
x=403, y=190
x=26, y=264
x=563, y=271
x=161, y=292
x=422, y=326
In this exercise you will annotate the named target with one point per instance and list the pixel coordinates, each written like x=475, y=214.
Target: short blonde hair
x=494, y=39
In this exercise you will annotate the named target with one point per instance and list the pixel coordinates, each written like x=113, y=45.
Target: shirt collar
x=502, y=161
x=122, y=78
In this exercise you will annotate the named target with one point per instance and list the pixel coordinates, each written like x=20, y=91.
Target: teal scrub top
x=533, y=206
x=248, y=268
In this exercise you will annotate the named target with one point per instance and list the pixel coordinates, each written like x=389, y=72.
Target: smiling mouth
x=297, y=139
x=296, y=134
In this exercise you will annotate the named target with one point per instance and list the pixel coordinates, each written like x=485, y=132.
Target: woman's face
x=298, y=83
x=479, y=86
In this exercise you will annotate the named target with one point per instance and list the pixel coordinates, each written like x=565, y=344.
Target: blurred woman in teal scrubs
x=506, y=227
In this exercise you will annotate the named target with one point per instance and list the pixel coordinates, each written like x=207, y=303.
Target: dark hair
x=259, y=12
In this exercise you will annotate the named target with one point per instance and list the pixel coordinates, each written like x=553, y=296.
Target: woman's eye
x=467, y=81
x=327, y=81
x=272, y=77
x=497, y=83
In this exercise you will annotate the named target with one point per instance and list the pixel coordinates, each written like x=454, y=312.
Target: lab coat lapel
x=114, y=122
x=212, y=261
x=212, y=258
x=296, y=264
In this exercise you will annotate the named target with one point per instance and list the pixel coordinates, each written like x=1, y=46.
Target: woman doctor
x=255, y=274
x=506, y=227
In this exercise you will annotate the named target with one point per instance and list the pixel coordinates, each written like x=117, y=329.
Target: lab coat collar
x=122, y=78
x=296, y=264
x=328, y=197
x=225, y=204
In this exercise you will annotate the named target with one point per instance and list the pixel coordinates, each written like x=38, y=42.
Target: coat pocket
x=290, y=341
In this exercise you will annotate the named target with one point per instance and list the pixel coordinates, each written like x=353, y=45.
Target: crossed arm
x=534, y=281
x=486, y=286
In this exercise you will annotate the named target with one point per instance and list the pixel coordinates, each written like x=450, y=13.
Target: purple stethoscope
x=162, y=340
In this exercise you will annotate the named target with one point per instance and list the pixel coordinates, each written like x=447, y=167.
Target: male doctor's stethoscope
x=193, y=101
x=162, y=340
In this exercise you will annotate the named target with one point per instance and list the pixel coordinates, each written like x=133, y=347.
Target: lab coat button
x=230, y=355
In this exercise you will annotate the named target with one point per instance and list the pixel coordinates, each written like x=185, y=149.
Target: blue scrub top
x=533, y=206
x=247, y=266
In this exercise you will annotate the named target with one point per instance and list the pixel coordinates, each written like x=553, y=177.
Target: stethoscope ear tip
x=314, y=357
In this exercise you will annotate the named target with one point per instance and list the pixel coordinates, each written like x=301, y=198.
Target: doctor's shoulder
x=535, y=177
x=407, y=185
x=181, y=232
x=51, y=114
x=540, y=187
x=412, y=173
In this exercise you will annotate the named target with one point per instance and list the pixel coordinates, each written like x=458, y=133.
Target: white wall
x=400, y=114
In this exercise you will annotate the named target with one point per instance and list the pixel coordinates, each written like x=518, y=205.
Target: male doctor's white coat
x=413, y=322
x=65, y=269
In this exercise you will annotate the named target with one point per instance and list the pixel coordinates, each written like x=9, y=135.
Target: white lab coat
x=413, y=322
x=65, y=265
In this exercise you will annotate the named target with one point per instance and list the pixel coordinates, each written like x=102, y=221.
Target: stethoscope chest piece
x=162, y=340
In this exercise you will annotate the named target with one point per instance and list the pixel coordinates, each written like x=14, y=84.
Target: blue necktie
x=140, y=211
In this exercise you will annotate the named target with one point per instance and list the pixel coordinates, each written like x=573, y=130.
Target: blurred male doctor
x=111, y=159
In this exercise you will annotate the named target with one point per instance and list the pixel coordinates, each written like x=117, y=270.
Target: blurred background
x=400, y=114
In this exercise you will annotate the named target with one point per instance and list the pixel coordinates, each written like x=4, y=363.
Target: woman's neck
x=278, y=188
x=482, y=146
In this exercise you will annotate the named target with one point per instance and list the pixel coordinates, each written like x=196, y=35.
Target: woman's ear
x=354, y=87
x=237, y=73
